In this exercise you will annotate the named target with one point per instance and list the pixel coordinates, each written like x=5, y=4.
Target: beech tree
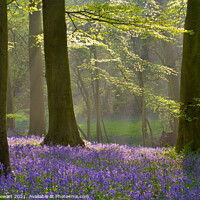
x=62, y=123
x=37, y=108
x=97, y=98
x=189, y=123
x=4, y=152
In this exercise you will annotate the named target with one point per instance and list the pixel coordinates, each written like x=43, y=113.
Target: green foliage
x=113, y=28
x=171, y=153
x=148, y=20
x=187, y=150
x=116, y=15
x=164, y=106
x=186, y=110
x=21, y=119
x=18, y=20
x=15, y=116
x=126, y=75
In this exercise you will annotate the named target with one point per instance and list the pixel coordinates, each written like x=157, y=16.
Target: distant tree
x=169, y=59
x=86, y=97
x=189, y=123
x=37, y=109
x=97, y=98
x=4, y=152
x=82, y=86
x=18, y=58
x=62, y=123
x=142, y=51
x=10, y=105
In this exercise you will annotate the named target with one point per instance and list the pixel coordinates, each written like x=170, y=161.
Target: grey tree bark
x=37, y=109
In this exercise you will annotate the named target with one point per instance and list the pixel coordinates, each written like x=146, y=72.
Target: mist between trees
x=108, y=71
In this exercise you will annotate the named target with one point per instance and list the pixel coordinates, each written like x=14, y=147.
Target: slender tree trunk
x=4, y=151
x=84, y=135
x=97, y=100
x=86, y=98
x=88, y=122
x=37, y=109
x=151, y=133
x=10, y=106
x=104, y=128
x=62, y=123
x=174, y=94
x=143, y=53
x=144, y=129
x=147, y=121
x=189, y=122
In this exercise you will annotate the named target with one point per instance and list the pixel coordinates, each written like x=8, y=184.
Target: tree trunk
x=10, y=106
x=173, y=82
x=88, y=121
x=62, y=123
x=174, y=94
x=37, y=109
x=97, y=100
x=86, y=98
x=189, y=122
x=4, y=151
x=104, y=128
x=144, y=55
x=147, y=121
x=80, y=129
x=143, y=110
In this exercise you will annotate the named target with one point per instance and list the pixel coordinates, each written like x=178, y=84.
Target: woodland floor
x=99, y=171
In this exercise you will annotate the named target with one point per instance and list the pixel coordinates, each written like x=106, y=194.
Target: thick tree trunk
x=189, y=122
x=62, y=123
x=37, y=109
x=10, y=106
x=4, y=152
